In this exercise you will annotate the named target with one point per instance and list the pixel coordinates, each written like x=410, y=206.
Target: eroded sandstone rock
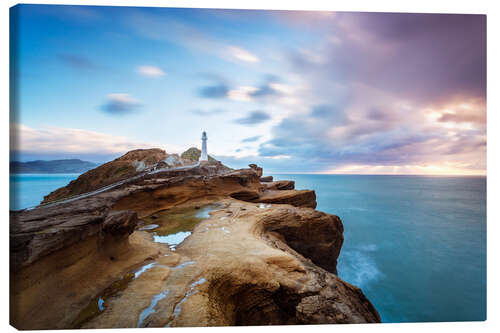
x=266, y=179
x=281, y=185
x=119, y=223
x=126, y=166
x=257, y=169
x=261, y=258
x=252, y=267
x=298, y=198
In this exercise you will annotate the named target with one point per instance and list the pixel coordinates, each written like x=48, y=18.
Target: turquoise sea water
x=415, y=245
x=27, y=190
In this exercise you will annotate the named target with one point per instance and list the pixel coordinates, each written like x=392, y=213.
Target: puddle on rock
x=143, y=269
x=148, y=227
x=192, y=291
x=171, y=227
x=161, y=295
x=151, y=308
x=97, y=305
x=184, y=264
x=172, y=240
x=174, y=225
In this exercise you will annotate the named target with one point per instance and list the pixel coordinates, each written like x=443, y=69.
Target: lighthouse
x=204, y=154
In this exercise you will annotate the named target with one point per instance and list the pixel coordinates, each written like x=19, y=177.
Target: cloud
x=384, y=92
x=264, y=90
x=219, y=90
x=427, y=58
x=77, y=61
x=212, y=112
x=333, y=114
x=71, y=13
x=253, y=118
x=269, y=88
x=120, y=104
x=242, y=94
x=374, y=128
x=57, y=142
x=275, y=164
x=462, y=118
x=464, y=112
x=172, y=28
x=242, y=54
x=251, y=139
x=150, y=71
x=374, y=143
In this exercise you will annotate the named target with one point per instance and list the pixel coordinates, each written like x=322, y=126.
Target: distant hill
x=55, y=166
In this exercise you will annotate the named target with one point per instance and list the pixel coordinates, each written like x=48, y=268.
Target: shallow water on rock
x=172, y=226
x=97, y=305
x=148, y=227
x=151, y=308
x=192, y=291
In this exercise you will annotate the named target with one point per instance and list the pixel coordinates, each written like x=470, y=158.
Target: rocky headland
x=198, y=246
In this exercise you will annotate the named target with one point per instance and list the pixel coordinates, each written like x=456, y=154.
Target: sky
x=292, y=91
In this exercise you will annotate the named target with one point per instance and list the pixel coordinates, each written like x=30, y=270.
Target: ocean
x=415, y=245
x=27, y=190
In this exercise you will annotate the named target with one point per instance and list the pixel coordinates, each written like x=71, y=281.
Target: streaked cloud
x=392, y=96
x=70, y=13
x=243, y=55
x=350, y=92
x=267, y=89
x=77, y=61
x=63, y=142
x=251, y=139
x=467, y=111
x=219, y=90
x=270, y=88
x=182, y=32
x=253, y=118
x=120, y=104
x=150, y=71
x=242, y=94
x=211, y=112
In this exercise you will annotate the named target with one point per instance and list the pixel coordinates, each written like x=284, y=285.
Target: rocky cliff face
x=262, y=256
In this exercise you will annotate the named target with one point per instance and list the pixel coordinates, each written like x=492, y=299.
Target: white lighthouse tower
x=204, y=154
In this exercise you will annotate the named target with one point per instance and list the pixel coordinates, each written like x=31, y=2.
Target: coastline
x=287, y=245
x=366, y=262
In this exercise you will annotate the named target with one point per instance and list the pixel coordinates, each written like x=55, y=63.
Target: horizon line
x=286, y=172
x=377, y=174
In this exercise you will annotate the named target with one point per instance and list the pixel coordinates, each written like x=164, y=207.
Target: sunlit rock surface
x=198, y=247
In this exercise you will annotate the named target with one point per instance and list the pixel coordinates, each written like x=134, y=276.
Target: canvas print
x=179, y=167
